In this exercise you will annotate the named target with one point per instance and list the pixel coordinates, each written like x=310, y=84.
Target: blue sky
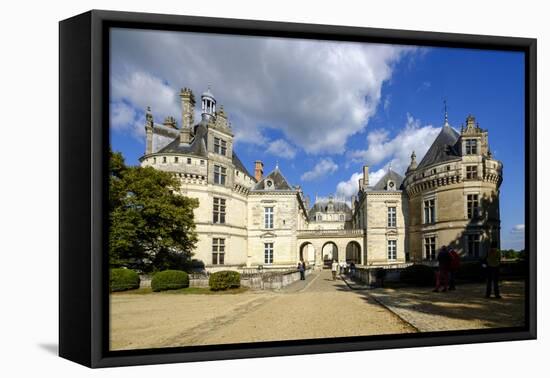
x=322, y=110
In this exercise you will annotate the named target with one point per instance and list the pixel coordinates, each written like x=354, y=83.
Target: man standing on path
x=302, y=269
x=493, y=268
x=334, y=269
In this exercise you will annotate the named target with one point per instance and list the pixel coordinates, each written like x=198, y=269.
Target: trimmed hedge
x=124, y=279
x=226, y=279
x=418, y=275
x=169, y=280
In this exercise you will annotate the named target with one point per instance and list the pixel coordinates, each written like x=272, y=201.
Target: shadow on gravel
x=466, y=303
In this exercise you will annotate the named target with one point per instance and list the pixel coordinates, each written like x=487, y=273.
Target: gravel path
x=316, y=308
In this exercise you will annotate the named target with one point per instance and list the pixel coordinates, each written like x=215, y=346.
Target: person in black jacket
x=442, y=275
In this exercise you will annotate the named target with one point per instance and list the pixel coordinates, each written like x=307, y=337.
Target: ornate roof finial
x=413, y=156
x=277, y=164
x=446, y=113
x=389, y=166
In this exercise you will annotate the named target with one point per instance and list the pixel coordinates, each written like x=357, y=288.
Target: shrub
x=419, y=275
x=169, y=280
x=224, y=280
x=124, y=279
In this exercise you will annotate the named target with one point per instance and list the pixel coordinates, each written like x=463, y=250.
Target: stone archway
x=329, y=252
x=353, y=252
x=307, y=252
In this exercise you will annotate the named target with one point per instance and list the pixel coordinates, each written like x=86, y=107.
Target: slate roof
x=321, y=206
x=198, y=147
x=390, y=175
x=443, y=148
x=279, y=182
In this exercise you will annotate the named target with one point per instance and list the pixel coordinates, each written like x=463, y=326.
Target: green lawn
x=187, y=290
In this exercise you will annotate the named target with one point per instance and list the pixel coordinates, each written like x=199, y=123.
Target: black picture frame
x=83, y=111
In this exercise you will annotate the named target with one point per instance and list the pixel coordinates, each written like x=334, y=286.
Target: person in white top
x=343, y=266
x=334, y=269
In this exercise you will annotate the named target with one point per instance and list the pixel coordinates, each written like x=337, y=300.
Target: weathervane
x=446, y=114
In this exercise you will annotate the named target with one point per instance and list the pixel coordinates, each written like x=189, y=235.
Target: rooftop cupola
x=208, y=105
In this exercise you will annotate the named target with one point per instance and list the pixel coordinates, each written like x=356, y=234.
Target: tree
x=152, y=226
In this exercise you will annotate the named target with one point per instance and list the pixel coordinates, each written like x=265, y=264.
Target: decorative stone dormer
x=170, y=122
x=473, y=139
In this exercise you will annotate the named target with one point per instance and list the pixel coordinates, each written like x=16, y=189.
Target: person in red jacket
x=455, y=264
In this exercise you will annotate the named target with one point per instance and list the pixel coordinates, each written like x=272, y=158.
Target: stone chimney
x=258, y=170
x=187, y=114
x=148, y=131
x=360, y=183
x=365, y=176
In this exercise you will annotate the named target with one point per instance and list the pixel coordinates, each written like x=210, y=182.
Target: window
x=473, y=242
x=429, y=248
x=392, y=249
x=188, y=160
x=392, y=217
x=202, y=162
x=471, y=172
x=472, y=201
x=164, y=159
x=268, y=217
x=268, y=253
x=219, y=210
x=154, y=160
x=218, y=251
x=220, y=146
x=429, y=211
x=448, y=167
x=341, y=217
x=471, y=146
x=219, y=175
x=176, y=159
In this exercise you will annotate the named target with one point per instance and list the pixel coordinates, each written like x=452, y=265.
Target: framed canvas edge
x=98, y=116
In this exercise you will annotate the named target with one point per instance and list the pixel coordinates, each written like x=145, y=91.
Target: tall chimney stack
x=187, y=114
x=258, y=170
x=365, y=176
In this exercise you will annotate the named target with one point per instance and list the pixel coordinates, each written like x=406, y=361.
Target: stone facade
x=246, y=220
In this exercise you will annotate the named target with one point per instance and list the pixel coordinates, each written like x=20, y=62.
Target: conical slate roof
x=442, y=149
x=390, y=175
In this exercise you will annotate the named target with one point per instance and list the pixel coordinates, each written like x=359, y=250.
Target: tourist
x=493, y=269
x=334, y=269
x=343, y=266
x=302, y=269
x=352, y=268
x=442, y=274
x=455, y=264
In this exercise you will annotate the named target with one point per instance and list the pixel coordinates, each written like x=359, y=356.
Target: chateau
x=450, y=198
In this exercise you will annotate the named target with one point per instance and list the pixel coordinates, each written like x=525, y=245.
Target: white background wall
x=29, y=185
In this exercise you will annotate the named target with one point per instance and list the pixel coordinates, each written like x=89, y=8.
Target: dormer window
x=220, y=146
x=391, y=185
x=470, y=147
x=269, y=184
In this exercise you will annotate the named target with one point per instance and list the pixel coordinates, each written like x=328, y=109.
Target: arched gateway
x=320, y=247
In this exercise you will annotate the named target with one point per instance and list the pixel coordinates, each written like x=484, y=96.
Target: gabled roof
x=442, y=149
x=277, y=179
x=390, y=175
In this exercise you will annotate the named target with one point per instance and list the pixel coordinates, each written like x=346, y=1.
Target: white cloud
x=387, y=103
x=122, y=115
x=141, y=89
x=518, y=229
x=351, y=187
x=282, y=149
x=316, y=93
x=322, y=168
x=380, y=147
